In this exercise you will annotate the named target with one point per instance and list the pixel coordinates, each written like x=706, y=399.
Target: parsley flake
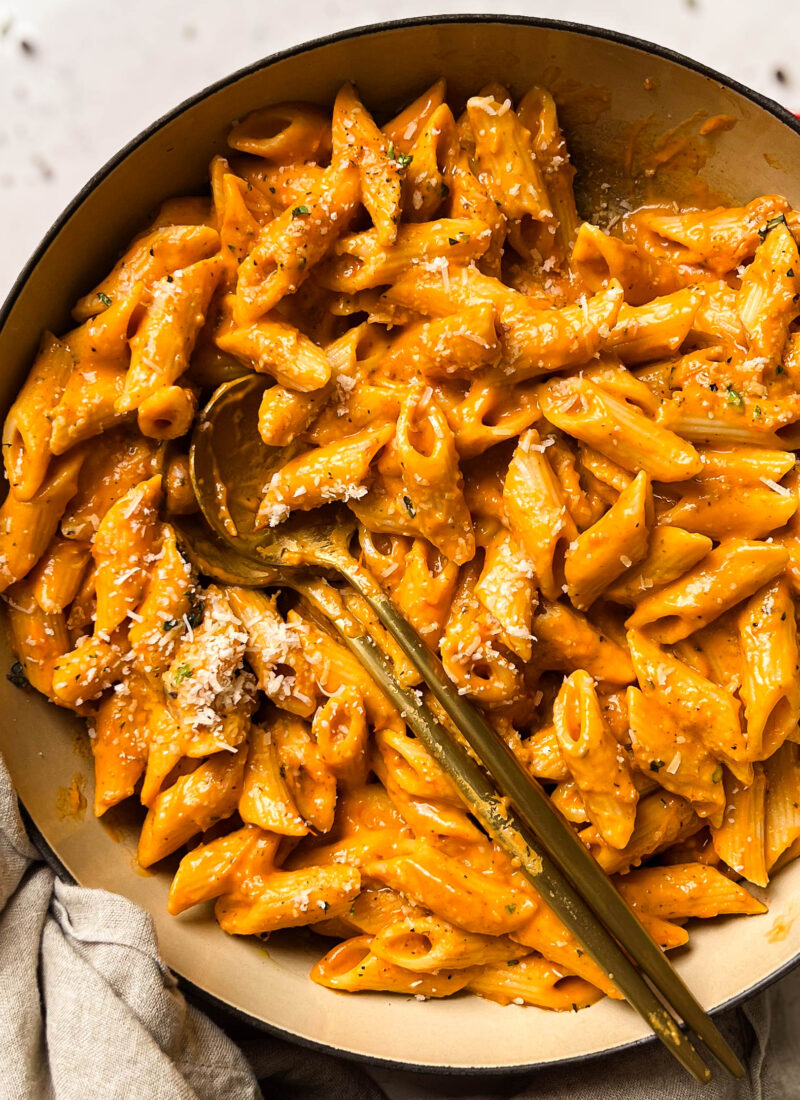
x=409, y=507
x=656, y=765
x=402, y=160
x=771, y=224
x=16, y=675
x=104, y=298
x=735, y=398
x=196, y=610
x=299, y=211
x=183, y=672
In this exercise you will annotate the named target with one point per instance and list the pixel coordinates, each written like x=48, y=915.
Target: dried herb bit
x=16, y=676
x=104, y=298
x=299, y=211
x=183, y=672
x=511, y=908
x=444, y=190
x=716, y=775
x=772, y=224
x=196, y=610
x=409, y=507
x=402, y=160
x=757, y=413
x=735, y=398
x=656, y=765
x=169, y=624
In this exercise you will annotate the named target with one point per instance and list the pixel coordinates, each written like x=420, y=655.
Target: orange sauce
x=782, y=927
x=71, y=800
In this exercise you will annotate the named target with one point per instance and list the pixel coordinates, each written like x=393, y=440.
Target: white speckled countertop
x=80, y=78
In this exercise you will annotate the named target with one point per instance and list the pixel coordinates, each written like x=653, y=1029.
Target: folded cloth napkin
x=88, y=1011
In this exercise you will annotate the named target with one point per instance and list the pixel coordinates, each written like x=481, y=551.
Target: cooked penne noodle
x=39, y=638
x=595, y=760
x=353, y=966
x=618, y=430
x=537, y=512
x=57, y=577
x=720, y=510
x=191, y=805
x=332, y=472
x=740, y=840
x=686, y=890
x=782, y=810
x=603, y=551
x=28, y=425
x=535, y=981
x=727, y=575
x=26, y=527
x=286, y=899
x=770, y=688
x=661, y=820
x=150, y=258
x=127, y=534
x=160, y=351
x=431, y=478
x=769, y=294
x=671, y=552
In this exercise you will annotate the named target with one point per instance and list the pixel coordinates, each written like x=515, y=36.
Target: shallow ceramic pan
x=617, y=98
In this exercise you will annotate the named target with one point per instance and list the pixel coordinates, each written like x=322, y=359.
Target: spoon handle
x=506, y=826
x=541, y=820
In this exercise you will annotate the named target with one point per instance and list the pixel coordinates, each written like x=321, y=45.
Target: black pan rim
x=619, y=38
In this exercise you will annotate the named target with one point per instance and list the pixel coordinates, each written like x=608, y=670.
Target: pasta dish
x=570, y=452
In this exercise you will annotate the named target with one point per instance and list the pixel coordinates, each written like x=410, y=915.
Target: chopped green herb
x=402, y=160
x=169, y=624
x=104, y=298
x=771, y=224
x=183, y=672
x=511, y=908
x=16, y=675
x=512, y=962
x=196, y=610
x=409, y=507
x=790, y=273
x=735, y=398
x=757, y=413
x=444, y=190
x=780, y=369
x=299, y=211
x=716, y=775
x=656, y=765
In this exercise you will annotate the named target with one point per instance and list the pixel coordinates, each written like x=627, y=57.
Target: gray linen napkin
x=88, y=1010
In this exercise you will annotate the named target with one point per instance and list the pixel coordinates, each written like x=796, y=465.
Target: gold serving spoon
x=230, y=465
